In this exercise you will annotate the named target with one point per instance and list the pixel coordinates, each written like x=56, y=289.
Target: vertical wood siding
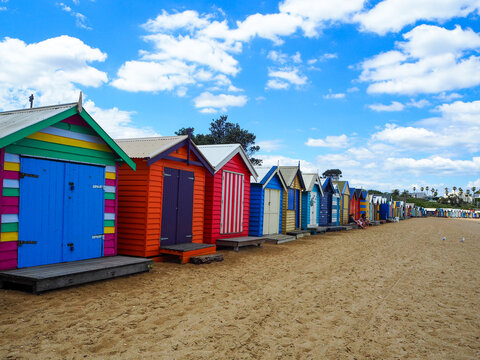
x=213, y=205
x=69, y=140
x=140, y=204
x=288, y=216
x=305, y=209
x=257, y=197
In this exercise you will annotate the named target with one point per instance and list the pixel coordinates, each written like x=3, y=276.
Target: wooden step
x=187, y=250
x=206, y=259
x=279, y=238
x=237, y=242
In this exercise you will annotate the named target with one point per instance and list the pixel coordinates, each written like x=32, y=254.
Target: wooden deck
x=238, y=242
x=278, y=238
x=55, y=276
x=188, y=250
x=299, y=233
x=317, y=229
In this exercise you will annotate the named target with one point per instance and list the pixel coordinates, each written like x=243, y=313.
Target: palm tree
x=454, y=189
x=414, y=188
x=460, y=191
x=446, y=191
x=473, y=189
x=421, y=189
x=435, y=194
x=426, y=189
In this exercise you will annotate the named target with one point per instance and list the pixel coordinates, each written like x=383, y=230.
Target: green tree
x=395, y=193
x=421, y=189
x=446, y=191
x=454, y=188
x=335, y=174
x=225, y=132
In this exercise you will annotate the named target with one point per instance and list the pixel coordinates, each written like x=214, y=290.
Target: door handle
x=72, y=186
x=70, y=245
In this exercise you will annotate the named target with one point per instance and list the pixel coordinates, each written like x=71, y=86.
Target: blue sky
x=388, y=95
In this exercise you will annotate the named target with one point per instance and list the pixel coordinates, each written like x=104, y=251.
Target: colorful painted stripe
x=72, y=135
x=67, y=141
x=109, y=216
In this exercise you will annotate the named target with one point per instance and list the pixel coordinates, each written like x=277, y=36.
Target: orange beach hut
x=161, y=205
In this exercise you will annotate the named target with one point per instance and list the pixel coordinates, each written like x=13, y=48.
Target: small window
x=291, y=199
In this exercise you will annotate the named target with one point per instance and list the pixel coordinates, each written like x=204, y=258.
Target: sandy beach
x=391, y=291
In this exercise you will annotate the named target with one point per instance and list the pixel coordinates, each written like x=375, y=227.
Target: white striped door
x=232, y=203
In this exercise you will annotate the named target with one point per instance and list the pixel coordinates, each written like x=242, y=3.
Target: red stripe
x=110, y=182
x=10, y=200
x=109, y=209
x=11, y=175
x=110, y=203
x=9, y=209
x=75, y=120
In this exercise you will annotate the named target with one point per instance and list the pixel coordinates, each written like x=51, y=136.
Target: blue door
x=84, y=203
x=40, y=212
x=61, y=212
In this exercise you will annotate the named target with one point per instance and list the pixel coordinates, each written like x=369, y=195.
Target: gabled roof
x=149, y=147
x=328, y=185
x=265, y=174
x=358, y=193
x=336, y=190
x=219, y=155
x=343, y=187
x=364, y=194
x=289, y=172
x=310, y=181
x=156, y=148
x=18, y=124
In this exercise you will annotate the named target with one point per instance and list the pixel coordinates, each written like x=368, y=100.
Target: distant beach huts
x=336, y=212
x=344, y=201
x=59, y=177
x=326, y=205
x=267, y=194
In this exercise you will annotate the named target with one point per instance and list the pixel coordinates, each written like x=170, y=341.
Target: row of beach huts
x=70, y=193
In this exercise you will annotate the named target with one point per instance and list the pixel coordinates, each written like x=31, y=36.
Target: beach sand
x=387, y=292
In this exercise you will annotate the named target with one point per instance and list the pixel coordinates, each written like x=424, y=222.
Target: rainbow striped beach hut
x=58, y=179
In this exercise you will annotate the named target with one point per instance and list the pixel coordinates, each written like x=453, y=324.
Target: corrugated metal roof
x=218, y=155
x=262, y=171
x=148, y=147
x=310, y=179
x=288, y=173
x=13, y=121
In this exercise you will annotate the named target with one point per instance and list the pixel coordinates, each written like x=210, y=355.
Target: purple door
x=177, y=207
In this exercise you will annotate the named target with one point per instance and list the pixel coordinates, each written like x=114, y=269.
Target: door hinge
x=165, y=174
x=189, y=236
x=98, y=236
x=22, y=175
x=26, y=242
x=163, y=239
x=192, y=178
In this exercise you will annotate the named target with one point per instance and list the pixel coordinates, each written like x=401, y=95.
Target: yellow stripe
x=11, y=166
x=67, y=141
x=109, y=230
x=110, y=175
x=9, y=236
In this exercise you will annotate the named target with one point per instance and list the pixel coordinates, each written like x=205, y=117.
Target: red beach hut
x=227, y=192
x=161, y=205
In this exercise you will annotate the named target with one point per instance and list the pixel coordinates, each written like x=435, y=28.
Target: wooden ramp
x=314, y=230
x=278, y=238
x=239, y=242
x=299, y=233
x=55, y=276
x=187, y=250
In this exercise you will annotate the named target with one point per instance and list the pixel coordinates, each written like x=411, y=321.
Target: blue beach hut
x=311, y=200
x=266, y=201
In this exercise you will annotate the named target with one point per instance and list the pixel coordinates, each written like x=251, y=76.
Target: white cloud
x=51, y=69
x=393, y=15
x=331, y=95
x=431, y=60
x=435, y=164
x=475, y=183
x=187, y=19
x=353, y=89
x=207, y=102
x=80, y=19
x=270, y=145
x=117, y=123
x=394, y=106
x=283, y=78
x=462, y=112
x=153, y=76
x=273, y=160
x=330, y=141
x=448, y=97
x=316, y=14
x=419, y=104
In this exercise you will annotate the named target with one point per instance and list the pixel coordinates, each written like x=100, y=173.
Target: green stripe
x=109, y=196
x=11, y=192
x=24, y=150
x=75, y=128
x=38, y=126
x=64, y=148
x=109, y=223
x=9, y=227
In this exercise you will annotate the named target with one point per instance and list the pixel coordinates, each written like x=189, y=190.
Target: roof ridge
x=152, y=138
x=40, y=108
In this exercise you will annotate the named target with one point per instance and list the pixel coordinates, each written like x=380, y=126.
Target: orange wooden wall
x=213, y=206
x=140, y=204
